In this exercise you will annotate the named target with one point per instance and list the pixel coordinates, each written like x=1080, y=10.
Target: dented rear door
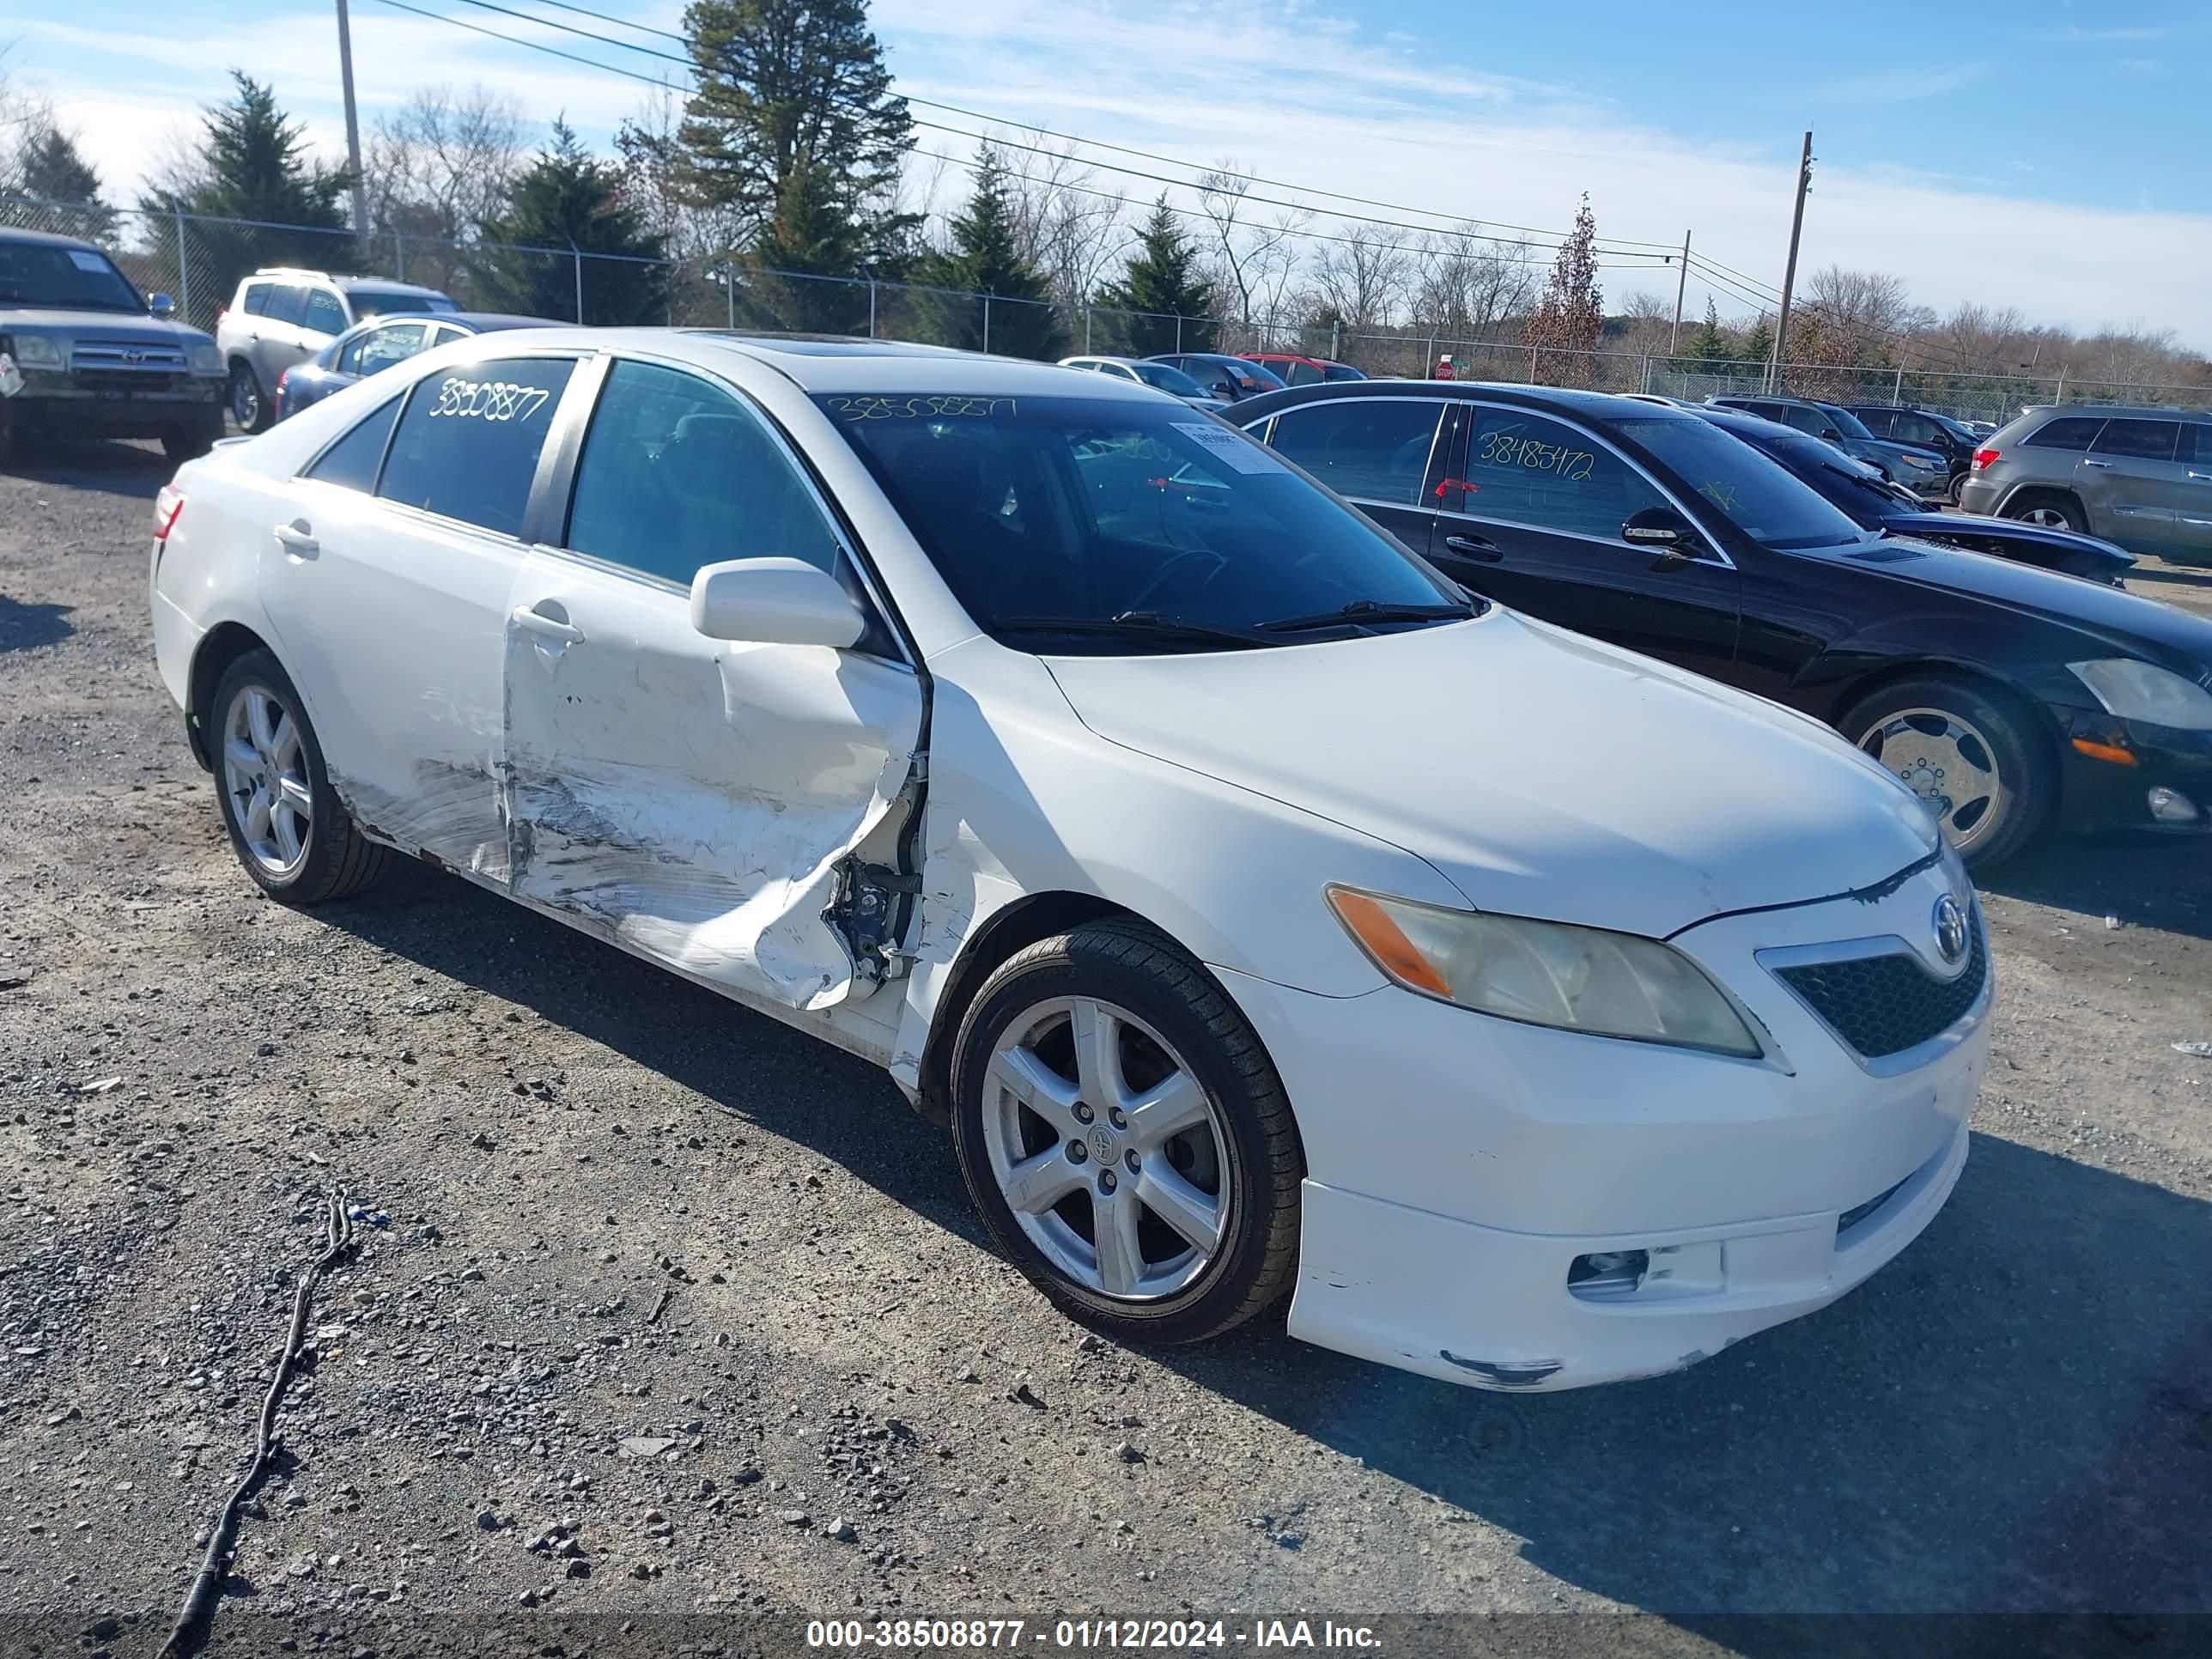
x=692, y=798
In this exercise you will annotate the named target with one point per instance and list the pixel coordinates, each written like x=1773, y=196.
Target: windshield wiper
x=1134, y=624
x=1366, y=611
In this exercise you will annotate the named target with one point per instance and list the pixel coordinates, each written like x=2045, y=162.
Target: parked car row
x=1268, y=908
x=1924, y=472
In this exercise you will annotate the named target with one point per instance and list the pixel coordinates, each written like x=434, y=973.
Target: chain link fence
x=198, y=260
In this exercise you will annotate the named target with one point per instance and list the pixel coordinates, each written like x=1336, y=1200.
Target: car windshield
x=1845, y=422
x=1099, y=525
x=1168, y=378
x=1857, y=488
x=1757, y=495
x=384, y=301
x=62, y=278
x=1257, y=372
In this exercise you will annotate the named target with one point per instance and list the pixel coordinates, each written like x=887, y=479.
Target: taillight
x=1985, y=458
x=166, y=505
x=279, y=409
x=221, y=312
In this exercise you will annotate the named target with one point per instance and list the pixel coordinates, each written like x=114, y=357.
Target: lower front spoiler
x=1492, y=1310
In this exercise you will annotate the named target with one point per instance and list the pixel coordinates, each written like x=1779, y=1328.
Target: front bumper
x=50, y=406
x=2109, y=769
x=1459, y=1165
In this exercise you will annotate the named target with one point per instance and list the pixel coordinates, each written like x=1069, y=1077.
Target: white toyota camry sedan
x=1260, y=914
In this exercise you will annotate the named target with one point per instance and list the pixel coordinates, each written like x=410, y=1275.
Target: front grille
x=124, y=380
x=127, y=357
x=1883, y=1005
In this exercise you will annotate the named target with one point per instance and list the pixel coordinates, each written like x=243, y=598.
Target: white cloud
x=1283, y=86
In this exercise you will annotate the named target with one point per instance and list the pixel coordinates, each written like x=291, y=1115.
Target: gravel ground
x=677, y=1311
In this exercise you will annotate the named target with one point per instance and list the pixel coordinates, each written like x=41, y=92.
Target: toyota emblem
x=1950, y=921
x=134, y=357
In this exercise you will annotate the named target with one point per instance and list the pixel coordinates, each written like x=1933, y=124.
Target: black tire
x=9, y=447
x=2020, y=754
x=1130, y=964
x=2068, y=510
x=189, y=443
x=249, y=404
x=338, y=862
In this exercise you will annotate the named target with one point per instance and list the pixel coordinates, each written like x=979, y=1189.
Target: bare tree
x=1256, y=257
x=1861, y=316
x=1358, y=280
x=441, y=167
x=1466, y=284
x=1064, y=224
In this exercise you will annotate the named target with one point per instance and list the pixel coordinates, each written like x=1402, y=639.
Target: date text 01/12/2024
x=1088, y=1633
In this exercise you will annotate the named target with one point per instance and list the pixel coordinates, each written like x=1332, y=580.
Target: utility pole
x=1681, y=282
x=353, y=134
x=1789, y=270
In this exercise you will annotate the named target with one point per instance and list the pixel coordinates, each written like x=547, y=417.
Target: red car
x=1294, y=370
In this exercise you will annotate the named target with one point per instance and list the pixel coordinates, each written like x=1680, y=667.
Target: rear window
x=2143, y=440
x=351, y=462
x=467, y=443
x=2068, y=432
x=2202, y=436
x=382, y=301
x=287, y=302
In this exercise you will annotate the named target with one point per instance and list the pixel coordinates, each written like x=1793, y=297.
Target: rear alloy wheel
x=248, y=407
x=1973, y=761
x=2051, y=511
x=1126, y=1138
x=287, y=825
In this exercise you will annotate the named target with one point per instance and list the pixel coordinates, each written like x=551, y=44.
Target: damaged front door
x=692, y=798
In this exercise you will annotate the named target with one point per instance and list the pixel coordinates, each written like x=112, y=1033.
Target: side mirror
x=774, y=602
x=1224, y=390
x=1665, y=531
x=161, y=306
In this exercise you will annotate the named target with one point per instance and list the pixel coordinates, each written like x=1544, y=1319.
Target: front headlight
x=35, y=351
x=206, y=360
x=1545, y=973
x=2133, y=691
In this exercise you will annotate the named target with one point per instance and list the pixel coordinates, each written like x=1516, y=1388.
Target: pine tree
x=1758, y=343
x=1709, y=346
x=1570, y=317
x=251, y=165
x=49, y=166
x=1160, y=282
x=784, y=87
x=813, y=235
x=567, y=199
x=984, y=260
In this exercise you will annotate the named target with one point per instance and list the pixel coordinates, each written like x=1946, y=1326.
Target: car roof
x=832, y=363
x=1599, y=405
x=2155, y=410
x=347, y=281
x=46, y=239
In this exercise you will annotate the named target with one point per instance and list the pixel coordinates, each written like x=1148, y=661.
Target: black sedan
x=377, y=343
x=1876, y=504
x=2006, y=697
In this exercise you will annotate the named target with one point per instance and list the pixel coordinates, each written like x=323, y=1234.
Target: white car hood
x=1544, y=774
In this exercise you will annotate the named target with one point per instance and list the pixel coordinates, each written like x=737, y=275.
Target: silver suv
x=2141, y=478
x=280, y=316
x=83, y=354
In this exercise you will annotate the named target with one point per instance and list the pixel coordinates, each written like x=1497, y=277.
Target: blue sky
x=2041, y=155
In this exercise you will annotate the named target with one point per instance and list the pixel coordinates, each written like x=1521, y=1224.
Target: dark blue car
x=377, y=343
x=1876, y=504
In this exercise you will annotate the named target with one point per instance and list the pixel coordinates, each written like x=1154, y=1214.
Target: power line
x=1617, y=245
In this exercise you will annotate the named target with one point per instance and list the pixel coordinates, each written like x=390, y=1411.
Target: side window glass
x=2068, y=432
x=256, y=298
x=1807, y=419
x=351, y=462
x=677, y=473
x=1304, y=375
x=349, y=361
x=395, y=343
x=2143, y=440
x=467, y=443
x=287, y=302
x=2202, y=436
x=1524, y=469
x=1374, y=448
x=323, y=315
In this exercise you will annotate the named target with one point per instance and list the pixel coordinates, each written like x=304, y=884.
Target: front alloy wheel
x=1125, y=1136
x=1977, y=765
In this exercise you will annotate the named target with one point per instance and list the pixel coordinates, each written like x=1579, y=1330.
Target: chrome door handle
x=2199, y=478
x=1474, y=547
x=2103, y=464
x=548, y=628
x=297, y=539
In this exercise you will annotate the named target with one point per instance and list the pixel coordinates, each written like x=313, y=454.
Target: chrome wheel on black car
x=1983, y=773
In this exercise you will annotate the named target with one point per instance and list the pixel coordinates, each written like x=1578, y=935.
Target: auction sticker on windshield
x=1240, y=452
